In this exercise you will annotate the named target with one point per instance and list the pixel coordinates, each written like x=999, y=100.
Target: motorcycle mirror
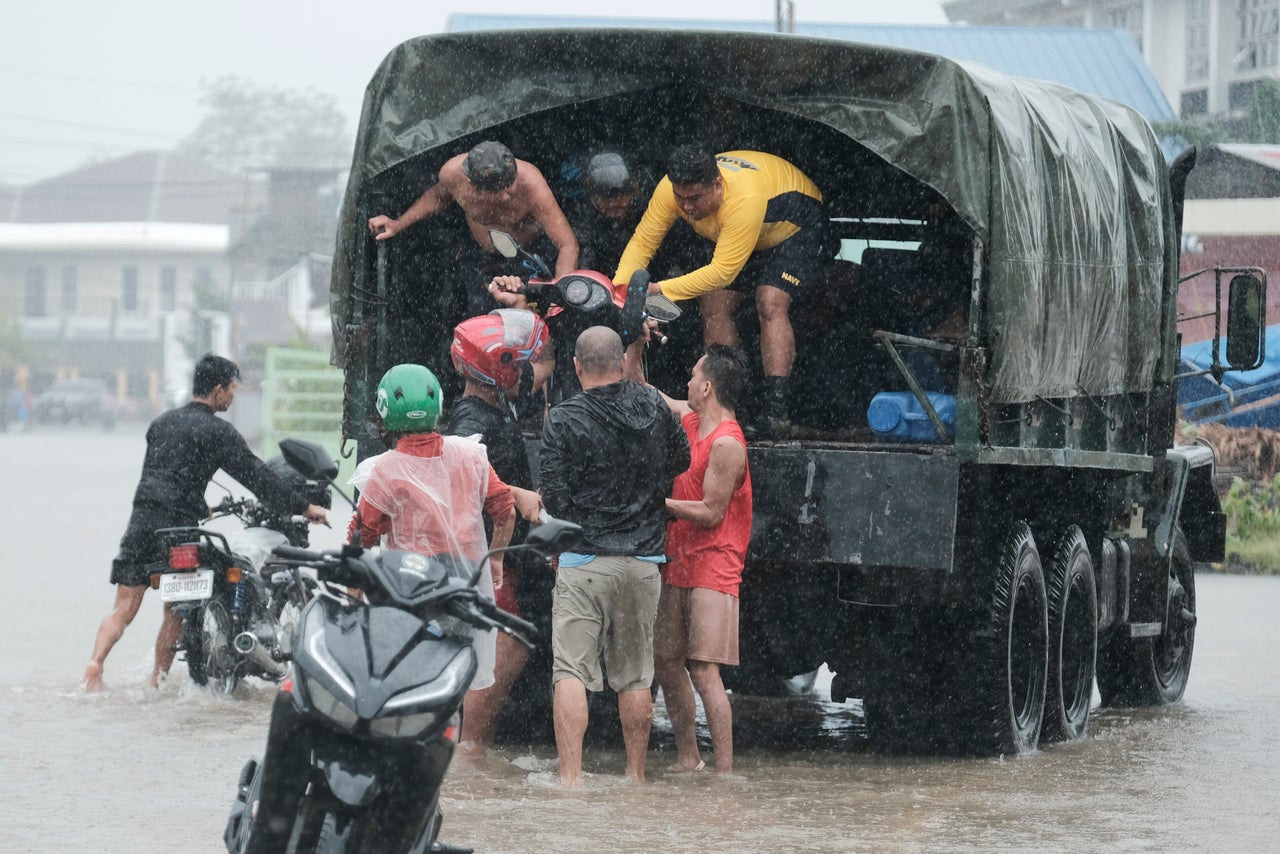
x=661, y=309
x=309, y=459
x=504, y=243
x=554, y=536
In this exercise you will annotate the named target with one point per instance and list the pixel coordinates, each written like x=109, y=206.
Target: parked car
x=84, y=400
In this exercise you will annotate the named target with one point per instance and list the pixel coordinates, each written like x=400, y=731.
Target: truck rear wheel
x=1002, y=659
x=1073, y=639
x=1154, y=671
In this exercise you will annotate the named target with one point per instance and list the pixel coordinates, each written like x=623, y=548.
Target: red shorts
x=505, y=596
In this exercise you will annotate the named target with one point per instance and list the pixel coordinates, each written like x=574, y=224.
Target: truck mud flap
x=852, y=507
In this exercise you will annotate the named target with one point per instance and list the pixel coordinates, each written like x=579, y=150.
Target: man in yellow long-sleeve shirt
x=771, y=236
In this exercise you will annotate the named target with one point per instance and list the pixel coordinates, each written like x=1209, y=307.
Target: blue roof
x=1100, y=62
x=1245, y=398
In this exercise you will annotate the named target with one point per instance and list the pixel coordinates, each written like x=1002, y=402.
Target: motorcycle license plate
x=186, y=586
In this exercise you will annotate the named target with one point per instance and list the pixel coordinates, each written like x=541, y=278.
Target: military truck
x=1010, y=243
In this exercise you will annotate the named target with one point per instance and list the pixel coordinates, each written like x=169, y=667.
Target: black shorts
x=140, y=551
x=476, y=267
x=792, y=266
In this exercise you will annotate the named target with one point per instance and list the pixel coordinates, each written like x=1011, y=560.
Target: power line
x=100, y=81
x=88, y=126
x=66, y=143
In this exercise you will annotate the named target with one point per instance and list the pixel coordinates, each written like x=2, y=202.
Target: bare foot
x=471, y=754
x=92, y=680
x=681, y=767
x=571, y=782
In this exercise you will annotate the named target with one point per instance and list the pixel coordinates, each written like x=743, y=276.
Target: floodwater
x=136, y=770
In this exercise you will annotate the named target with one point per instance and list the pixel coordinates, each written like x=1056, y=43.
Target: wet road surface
x=136, y=770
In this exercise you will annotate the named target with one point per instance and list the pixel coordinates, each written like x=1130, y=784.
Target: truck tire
x=1154, y=671
x=1073, y=639
x=1002, y=659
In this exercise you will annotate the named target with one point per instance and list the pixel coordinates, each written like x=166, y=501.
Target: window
x=1194, y=103
x=34, y=303
x=129, y=289
x=202, y=283
x=1126, y=16
x=168, y=288
x=1240, y=95
x=1259, y=28
x=1197, y=41
x=70, y=289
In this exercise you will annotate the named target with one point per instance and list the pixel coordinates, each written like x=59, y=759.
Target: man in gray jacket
x=609, y=457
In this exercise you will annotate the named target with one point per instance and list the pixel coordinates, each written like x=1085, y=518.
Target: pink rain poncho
x=427, y=496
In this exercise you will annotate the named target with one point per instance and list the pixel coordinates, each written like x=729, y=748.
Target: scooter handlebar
x=330, y=566
x=506, y=619
x=483, y=614
x=294, y=553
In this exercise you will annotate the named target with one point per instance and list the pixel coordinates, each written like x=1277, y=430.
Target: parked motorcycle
x=239, y=606
x=363, y=730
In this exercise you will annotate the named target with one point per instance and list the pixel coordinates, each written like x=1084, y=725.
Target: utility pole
x=784, y=14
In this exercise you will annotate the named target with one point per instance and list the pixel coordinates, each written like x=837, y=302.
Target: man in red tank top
x=697, y=625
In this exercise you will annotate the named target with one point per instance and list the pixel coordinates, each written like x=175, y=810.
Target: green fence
x=302, y=398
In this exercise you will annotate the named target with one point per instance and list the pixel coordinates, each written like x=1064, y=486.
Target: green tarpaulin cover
x=1069, y=193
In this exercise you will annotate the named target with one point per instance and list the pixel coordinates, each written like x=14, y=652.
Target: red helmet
x=487, y=348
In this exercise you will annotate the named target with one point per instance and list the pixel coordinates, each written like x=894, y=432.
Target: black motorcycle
x=363, y=730
x=239, y=606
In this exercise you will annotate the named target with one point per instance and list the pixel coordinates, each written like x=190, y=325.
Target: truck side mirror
x=1246, y=322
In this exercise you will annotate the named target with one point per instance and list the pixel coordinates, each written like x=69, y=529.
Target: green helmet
x=409, y=399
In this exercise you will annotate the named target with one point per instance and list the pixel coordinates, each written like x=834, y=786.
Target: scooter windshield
x=432, y=492
x=409, y=578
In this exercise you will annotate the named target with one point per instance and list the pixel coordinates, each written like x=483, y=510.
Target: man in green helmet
x=413, y=503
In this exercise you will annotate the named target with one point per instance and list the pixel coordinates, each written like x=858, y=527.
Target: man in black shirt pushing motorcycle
x=185, y=446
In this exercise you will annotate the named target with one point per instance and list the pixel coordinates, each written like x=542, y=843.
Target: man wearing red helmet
x=489, y=352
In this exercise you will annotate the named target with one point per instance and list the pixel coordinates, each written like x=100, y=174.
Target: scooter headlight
x=412, y=713
x=403, y=726
x=451, y=682
x=330, y=706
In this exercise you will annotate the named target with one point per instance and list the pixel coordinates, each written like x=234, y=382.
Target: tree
x=1261, y=124
x=15, y=351
x=1263, y=121
x=256, y=127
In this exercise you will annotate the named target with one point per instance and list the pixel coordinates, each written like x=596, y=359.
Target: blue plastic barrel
x=898, y=416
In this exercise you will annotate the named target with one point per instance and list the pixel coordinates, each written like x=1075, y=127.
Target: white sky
x=84, y=80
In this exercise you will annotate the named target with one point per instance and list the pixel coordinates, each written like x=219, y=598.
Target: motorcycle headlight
x=412, y=713
x=330, y=706
x=403, y=726
x=451, y=682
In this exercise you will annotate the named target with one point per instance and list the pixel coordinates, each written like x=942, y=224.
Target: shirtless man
x=494, y=190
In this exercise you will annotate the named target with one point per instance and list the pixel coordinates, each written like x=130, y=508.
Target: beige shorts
x=604, y=612
x=696, y=624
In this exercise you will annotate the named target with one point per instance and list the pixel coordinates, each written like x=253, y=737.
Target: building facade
x=1207, y=54
x=120, y=271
